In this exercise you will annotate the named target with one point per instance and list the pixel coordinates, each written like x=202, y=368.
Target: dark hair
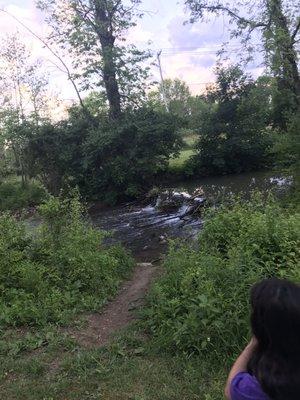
x=275, y=322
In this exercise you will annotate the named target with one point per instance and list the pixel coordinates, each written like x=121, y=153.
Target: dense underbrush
x=201, y=304
x=58, y=270
x=14, y=195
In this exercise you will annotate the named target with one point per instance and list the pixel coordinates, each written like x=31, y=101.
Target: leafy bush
x=124, y=157
x=202, y=303
x=104, y=158
x=60, y=270
x=14, y=196
x=234, y=136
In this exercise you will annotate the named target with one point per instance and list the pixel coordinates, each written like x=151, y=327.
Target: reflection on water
x=241, y=183
x=146, y=230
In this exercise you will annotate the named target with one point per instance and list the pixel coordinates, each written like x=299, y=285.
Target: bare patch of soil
x=119, y=312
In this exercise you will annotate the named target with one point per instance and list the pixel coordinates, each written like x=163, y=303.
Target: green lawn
x=51, y=366
x=177, y=164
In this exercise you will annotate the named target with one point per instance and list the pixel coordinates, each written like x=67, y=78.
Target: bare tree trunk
x=107, y=39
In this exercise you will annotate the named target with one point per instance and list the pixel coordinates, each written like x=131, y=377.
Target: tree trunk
x=105, y=34
x=285, y=56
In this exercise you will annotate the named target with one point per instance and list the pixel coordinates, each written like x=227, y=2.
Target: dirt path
x=100, y=327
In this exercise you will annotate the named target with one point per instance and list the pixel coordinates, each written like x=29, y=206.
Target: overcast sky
x=188, y=51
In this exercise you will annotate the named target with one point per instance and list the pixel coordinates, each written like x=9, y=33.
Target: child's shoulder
x=245, y=386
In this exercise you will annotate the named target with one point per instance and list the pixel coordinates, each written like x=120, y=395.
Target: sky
x=188, y=50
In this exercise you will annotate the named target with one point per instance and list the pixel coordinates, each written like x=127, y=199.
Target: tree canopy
x=278, y=23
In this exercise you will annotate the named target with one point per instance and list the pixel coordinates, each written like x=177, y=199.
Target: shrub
x=234, y=135
x=106, y=159
x=201, y=304
x=124, y=157
x=60, y=270
x=14, y=196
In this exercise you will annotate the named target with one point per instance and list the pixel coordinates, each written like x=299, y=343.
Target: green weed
x=14, y=196
x=201, y=304
x=61, y=270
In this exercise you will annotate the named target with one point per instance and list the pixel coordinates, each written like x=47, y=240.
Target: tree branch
x=67, y=70
x=294, y=34
x=84, y=15
x=234, y=15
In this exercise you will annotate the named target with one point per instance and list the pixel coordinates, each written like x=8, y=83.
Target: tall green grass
x=201, y=305
x=62, y=269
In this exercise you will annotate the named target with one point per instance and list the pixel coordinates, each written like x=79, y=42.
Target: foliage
x=200, y=106
x=15, y=196
x=201, y=304
x=287, y=148
x=124, y=158
x=177, y=95
x=55, y=152
x=277, y=24
x=107, y=159
x=94, y=35
x=233, y=135
x=58, y=271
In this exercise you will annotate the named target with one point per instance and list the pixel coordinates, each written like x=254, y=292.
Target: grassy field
x=177, y=164
x=49, y=365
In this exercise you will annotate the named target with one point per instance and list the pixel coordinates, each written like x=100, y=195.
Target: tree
x=93, y=32
x=233, y=135
x=37, y=85
x=15, y=131
x=200, y=106
x=95, y=103
x=177, y=94
x=110, y=159
x=23, y=86
x=55, y=152
x=278, y=22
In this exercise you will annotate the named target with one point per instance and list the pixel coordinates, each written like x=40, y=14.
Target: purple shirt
x=246, y=387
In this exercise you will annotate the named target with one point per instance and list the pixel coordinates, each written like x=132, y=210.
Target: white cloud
x=182, y=66
x=139, y=36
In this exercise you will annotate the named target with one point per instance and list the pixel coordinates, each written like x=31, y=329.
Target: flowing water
x=145, y=229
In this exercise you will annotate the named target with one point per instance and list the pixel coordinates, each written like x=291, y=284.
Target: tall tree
x=93, y=32
x=23, y=86
x=36, y=82
x=177, y=95
x=278, y=21
x=233, y=135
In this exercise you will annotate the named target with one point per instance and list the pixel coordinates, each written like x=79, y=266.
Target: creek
x=145, y=228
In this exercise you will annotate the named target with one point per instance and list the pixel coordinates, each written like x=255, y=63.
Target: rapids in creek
x=146, y=228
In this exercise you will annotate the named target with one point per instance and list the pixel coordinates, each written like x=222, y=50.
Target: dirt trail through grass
x=100, y=327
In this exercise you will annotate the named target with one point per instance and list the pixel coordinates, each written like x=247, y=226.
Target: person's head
x=275, y=322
